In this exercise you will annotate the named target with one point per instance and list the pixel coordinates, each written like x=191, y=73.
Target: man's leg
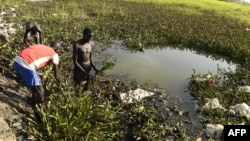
x=38, y=100
x=38, y=95
x=86, y=86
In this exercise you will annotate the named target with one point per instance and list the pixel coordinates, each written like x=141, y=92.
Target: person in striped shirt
x=30, y=60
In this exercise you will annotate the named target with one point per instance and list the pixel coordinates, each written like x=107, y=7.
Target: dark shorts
x=80, y=76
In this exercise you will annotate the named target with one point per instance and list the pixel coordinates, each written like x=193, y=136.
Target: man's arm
x=74, y=53
x=56, y=73
x=91, y=62
x=40, y=37
x=26, y=36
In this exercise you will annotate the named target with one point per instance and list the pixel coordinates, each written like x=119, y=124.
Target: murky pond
x=169, y=68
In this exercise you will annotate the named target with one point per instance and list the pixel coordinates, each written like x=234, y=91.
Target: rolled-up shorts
x=28, y=76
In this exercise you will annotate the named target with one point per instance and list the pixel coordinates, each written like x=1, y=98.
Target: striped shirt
x=38, y=56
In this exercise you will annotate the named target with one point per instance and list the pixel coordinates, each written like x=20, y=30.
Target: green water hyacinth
x=75, y=118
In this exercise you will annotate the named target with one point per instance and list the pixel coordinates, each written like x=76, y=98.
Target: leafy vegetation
x=226, y=86
x=76, y=118
x=99, y=114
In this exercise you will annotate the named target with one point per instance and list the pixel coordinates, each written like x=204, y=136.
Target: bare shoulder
x=31, y=24
x=78, y=44
x=75, y=41
x=91, y=43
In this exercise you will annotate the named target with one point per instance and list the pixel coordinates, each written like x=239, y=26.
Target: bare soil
x=14, y=107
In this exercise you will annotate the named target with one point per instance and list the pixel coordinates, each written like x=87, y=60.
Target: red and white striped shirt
x=38, y=56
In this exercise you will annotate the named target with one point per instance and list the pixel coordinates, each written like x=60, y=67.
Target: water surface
x=170, y=68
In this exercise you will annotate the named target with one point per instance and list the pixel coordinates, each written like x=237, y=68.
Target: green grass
x=228, y=9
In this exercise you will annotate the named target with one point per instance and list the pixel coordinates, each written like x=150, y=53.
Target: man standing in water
x=32, y=29
x=82, y=59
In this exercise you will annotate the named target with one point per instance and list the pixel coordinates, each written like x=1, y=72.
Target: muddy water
x=170, y=68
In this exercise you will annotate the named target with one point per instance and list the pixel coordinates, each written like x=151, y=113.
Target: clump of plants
x=225, y=85
x=101, y=115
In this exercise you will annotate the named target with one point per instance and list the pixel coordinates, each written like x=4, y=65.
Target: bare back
x=32, y=28
x=31, y=24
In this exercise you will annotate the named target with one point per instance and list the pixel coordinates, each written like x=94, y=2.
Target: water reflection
x=170, y=68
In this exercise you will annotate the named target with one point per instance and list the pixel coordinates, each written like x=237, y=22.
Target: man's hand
x=97, y=71
x=61, y=84
x=90, y=76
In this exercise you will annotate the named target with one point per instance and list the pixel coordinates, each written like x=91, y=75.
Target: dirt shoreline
x=14, y=108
